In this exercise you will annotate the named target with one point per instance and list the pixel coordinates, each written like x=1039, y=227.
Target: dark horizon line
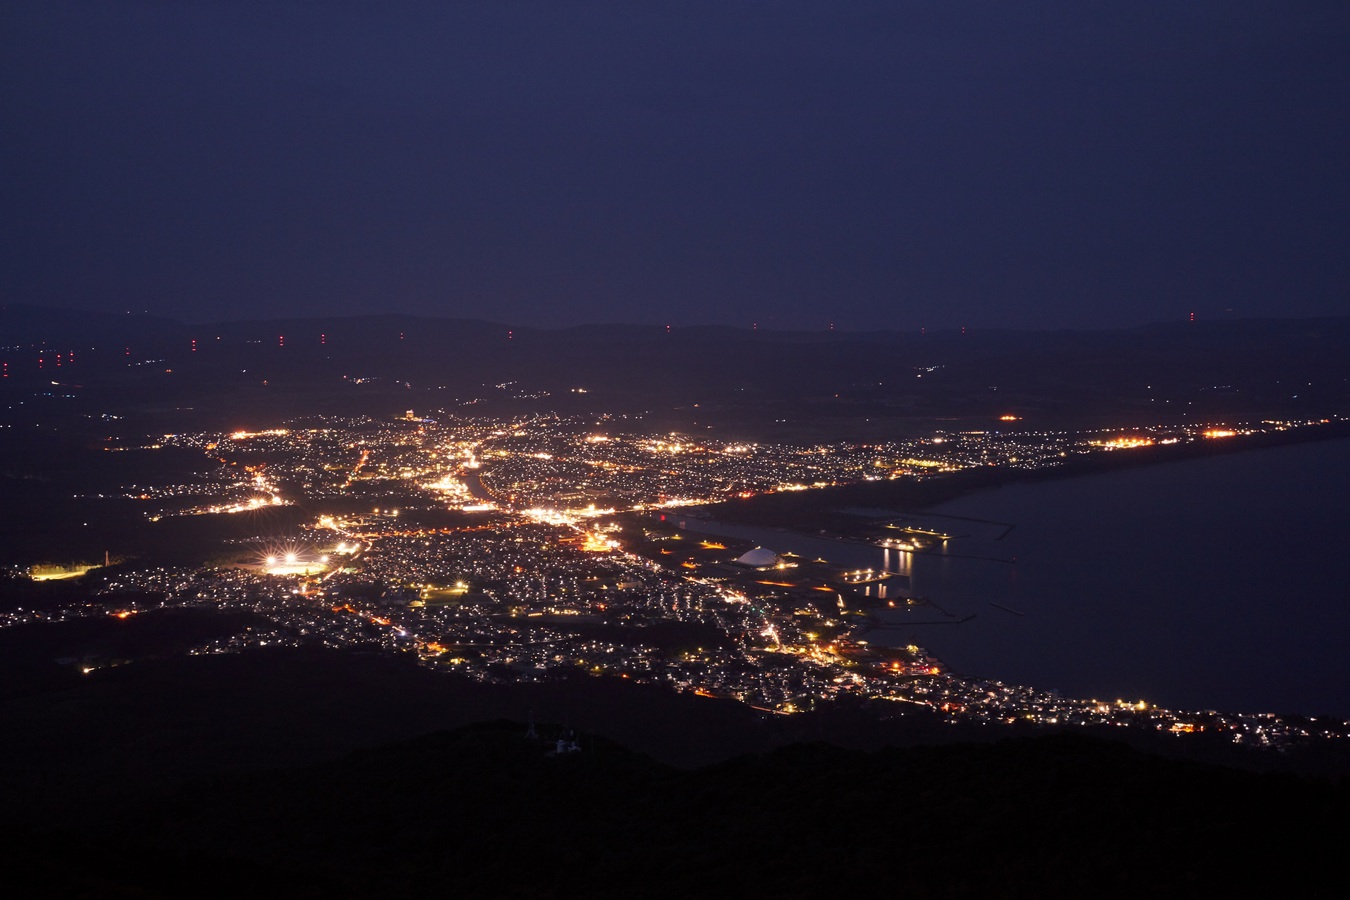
x=688, y=326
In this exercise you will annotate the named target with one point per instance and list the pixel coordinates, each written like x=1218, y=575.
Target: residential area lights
x=504, y=574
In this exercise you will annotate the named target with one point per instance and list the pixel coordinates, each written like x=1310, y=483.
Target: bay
x=1215, y=583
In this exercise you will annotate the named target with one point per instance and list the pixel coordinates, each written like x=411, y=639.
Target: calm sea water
x=1221, y=583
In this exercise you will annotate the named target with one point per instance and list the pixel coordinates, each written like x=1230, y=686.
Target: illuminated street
x=532, y=548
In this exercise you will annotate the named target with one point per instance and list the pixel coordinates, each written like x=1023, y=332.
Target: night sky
x=873, y=164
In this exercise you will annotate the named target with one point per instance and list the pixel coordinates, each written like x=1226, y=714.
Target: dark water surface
x=1219, y=583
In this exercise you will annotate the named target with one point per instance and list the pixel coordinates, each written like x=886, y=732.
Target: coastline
x=1225, y=574
x=813, y=510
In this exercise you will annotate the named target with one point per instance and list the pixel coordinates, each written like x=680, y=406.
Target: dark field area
x=325, y=774
x=271, y=800
x=733, y=383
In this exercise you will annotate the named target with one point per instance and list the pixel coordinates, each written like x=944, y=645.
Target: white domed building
x=758, y=558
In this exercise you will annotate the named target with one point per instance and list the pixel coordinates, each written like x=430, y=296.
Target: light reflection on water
x=901, y=562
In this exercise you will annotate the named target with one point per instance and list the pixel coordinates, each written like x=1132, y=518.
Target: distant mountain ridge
x=1237, y=370
x=32, y=321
